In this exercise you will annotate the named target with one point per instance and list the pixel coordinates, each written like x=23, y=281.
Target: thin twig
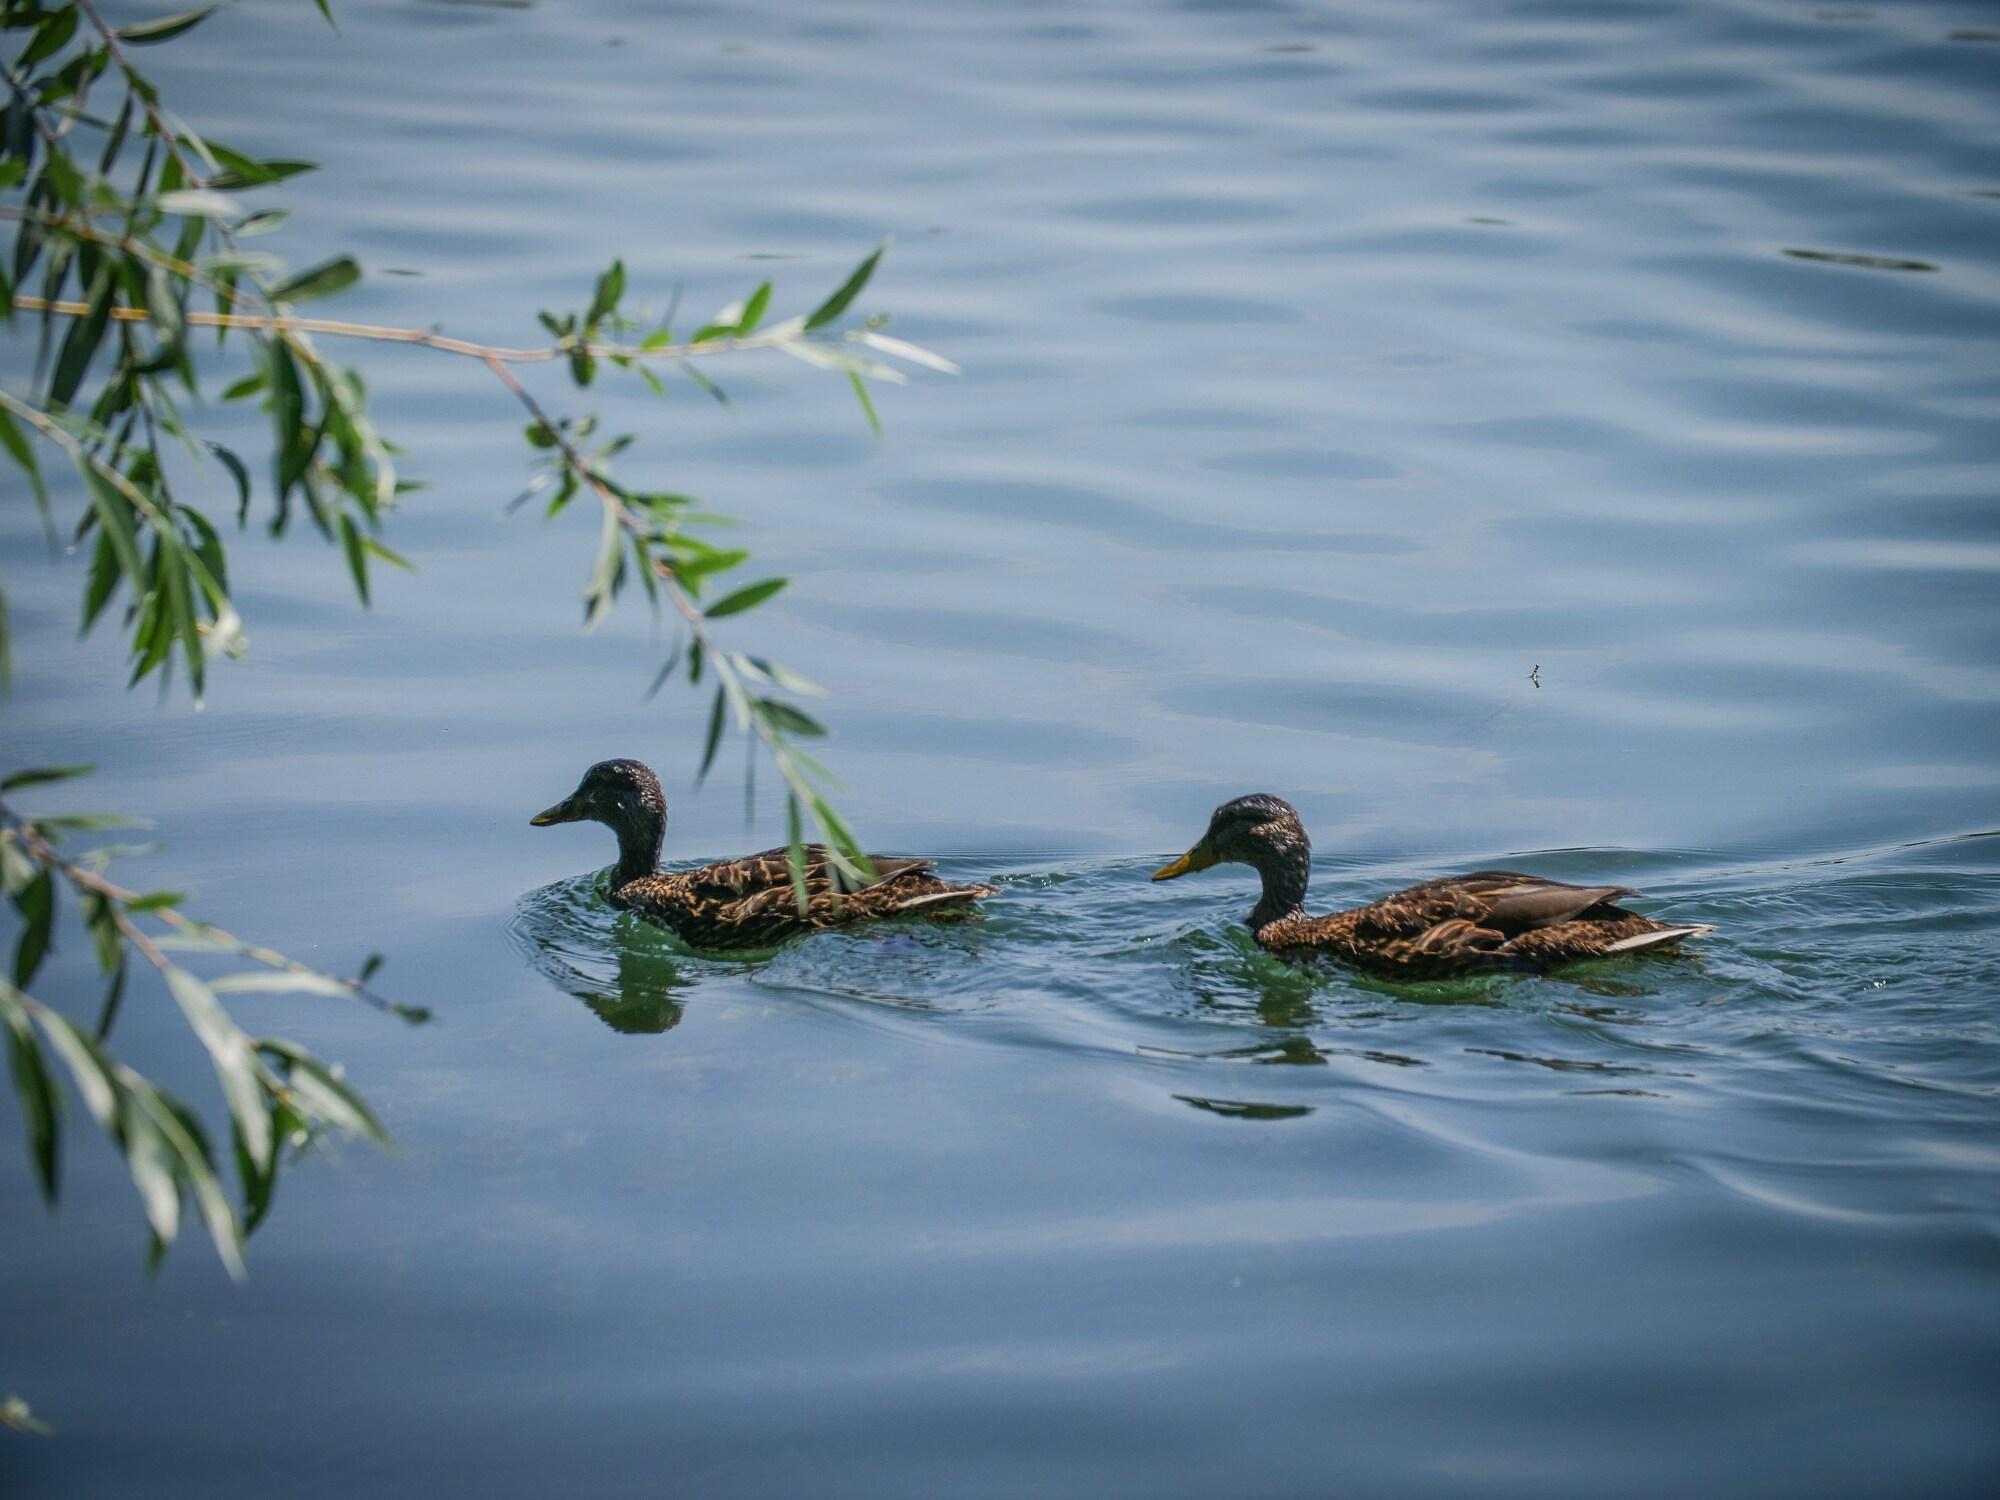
x=384, y=333
x=22, y=830
x=83, y=229
x=689, y=612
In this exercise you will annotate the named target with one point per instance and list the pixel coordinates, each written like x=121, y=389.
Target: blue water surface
x=1552, y=434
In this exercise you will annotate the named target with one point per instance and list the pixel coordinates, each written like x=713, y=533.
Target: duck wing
x=1467, y=914
x=771, y=870
x=749, y=902
x=1515, y=903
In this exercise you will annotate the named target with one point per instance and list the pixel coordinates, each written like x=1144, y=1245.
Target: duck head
x=626, y=797
x=1265, y=833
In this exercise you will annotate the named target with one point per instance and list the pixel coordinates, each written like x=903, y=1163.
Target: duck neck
x=1284, y=873
x=639, y=847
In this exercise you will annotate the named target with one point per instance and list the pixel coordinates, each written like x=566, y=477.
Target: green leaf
x=259, y=1183
x=79, y=345
x=240, y=171
x=283, y=982
x=40, y=1100
x=320, y=1092
x=179, y=1136
x=36, y=903
x=357, y=555
x=41, y=774
x=721, y=396
x=691, y=569
x=154, y=900
x=87, y=1067
x=840, y=837
x=150, y=1161
x=288, y=406
x=867, y=406
x=835, y=305
x=239, y=474
x=234, y=1060
x=666, y=671
x=16, y=443
x=103, y=579
x=916, y=354
x=714, y=737
x=368, y=968
x=50, y=38
x=394, y=559
x=795, y=851
x=262, y=222
x=323, y=280
x=603, y=585
x=748, y=597
x=198, y=203
x=783, y=676
x=169, y=323
x=101, y=918
x=792, y=720
x=610, y=287
x=149, y=33
x=114, y=517
x=114, y=995
x=753, y=310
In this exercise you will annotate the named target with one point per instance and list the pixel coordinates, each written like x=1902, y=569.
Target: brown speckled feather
x=1461, y=924
x=737, y=903
x=749, y=902
x=1488, y=920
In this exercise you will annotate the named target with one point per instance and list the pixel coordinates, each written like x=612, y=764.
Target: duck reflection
x=622, y=970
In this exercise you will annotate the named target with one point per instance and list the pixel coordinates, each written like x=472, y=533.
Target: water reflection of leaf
x=1563, y=1064
x=1865, y=262
x=1246, y=1109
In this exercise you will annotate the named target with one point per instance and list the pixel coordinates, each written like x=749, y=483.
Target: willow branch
x=83, y=229
x=287, y=323
x=161, y=128
x=22, y=831
x=696, y=622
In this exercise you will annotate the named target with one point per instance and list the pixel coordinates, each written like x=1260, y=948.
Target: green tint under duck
x=1461, y=924
x=737, y=903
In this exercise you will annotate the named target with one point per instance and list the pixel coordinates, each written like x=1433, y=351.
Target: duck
x=1482, y=922
x=739, y=903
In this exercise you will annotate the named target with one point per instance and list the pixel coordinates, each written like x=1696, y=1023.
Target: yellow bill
x=564, y=811
x=1200, y=857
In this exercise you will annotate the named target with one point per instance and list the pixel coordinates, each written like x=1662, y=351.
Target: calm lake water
x=1327, y=369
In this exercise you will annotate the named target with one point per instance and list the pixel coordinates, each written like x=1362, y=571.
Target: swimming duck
x=1462, y=924
x=737, y=903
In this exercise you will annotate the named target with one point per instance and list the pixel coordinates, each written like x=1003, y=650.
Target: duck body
x=1484, y=922
x=740, y=903
x=750, y=902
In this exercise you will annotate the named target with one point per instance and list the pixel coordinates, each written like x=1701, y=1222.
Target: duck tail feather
x=958, y=895
x=1666, y=935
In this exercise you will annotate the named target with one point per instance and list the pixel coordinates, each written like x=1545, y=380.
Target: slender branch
x=83, y=229
x=161, y=128
x=22, y=831
x=774, y=338
x=696, y=622
x=49, y=428
x=33, y=106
